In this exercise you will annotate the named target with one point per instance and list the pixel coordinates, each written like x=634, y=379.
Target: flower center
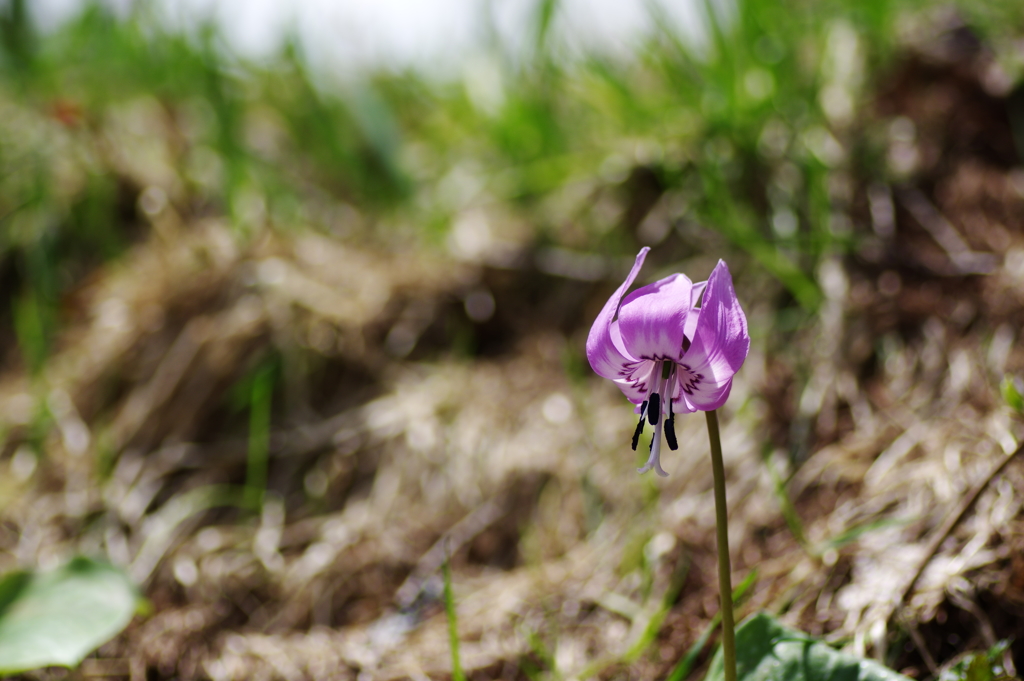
x=663, y=387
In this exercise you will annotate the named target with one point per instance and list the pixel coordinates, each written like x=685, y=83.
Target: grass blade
x=453, y=624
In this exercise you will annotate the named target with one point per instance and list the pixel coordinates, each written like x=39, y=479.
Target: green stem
x=724, y=569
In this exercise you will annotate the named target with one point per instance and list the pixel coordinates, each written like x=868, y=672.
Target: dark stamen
x=637, y=432
x=670, y=433
x=670, y=426
x=654, y=409
x=640, y=426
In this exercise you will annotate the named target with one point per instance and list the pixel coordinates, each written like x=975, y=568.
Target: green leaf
x=979, y=666
x=1012, y=395
x=59, y=617
x=767, y=651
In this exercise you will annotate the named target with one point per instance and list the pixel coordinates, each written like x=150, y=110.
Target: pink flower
x=666, y=353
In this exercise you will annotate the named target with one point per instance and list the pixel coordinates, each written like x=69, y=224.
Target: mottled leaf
x=767, y=651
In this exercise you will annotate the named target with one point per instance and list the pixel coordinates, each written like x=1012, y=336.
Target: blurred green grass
x=747, y=131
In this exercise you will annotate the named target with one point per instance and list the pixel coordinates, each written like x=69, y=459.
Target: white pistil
x=654, y=460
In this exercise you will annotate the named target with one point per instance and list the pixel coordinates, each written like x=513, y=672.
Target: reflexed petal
x=691, y=319
x=698, y=289
x=637, y=397
x=707, y=396
x=605, y=358
x=720, y=343
x=652, y=318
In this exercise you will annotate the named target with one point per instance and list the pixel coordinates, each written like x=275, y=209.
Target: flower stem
x=724, y=569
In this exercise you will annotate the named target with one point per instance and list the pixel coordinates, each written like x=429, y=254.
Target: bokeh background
x=294, y=307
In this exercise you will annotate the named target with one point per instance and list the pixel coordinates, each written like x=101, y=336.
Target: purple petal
x=652, y=319
x=637, y=380
x=679, y=403
x=720, y=343
x=698, y=289
x=691, y=319
x=604, y=346
x=707, y=397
